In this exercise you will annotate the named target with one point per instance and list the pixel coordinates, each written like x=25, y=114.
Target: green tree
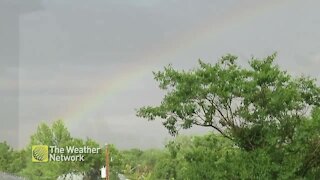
x=263, y=111
x=198, y=157
x=138, y=164
x=58, y=135
x=6, y=154
x=243, y=104
x=11, y=161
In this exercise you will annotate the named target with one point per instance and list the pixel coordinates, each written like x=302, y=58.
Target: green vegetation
x=266, y=125
x=263, y=113
x=59, y=136
x=19, y=162
x=11, y=161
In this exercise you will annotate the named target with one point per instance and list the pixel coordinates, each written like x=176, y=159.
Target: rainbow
x=239, y=16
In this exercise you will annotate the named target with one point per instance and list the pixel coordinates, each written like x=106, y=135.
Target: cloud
x=71, y=48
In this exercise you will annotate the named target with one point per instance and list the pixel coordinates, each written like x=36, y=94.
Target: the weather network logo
x=40, y=153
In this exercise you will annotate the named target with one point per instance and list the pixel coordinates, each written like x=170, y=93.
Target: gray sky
x=97, y=57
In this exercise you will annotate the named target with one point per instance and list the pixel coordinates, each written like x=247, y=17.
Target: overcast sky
x=90, y=63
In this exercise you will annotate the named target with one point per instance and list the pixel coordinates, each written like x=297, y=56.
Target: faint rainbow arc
x=132, y=71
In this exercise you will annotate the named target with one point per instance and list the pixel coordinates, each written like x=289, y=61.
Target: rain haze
x=90, y=63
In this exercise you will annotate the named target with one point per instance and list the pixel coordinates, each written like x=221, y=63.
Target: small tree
x=255, y=107
x=58, y=135
x=6, y=154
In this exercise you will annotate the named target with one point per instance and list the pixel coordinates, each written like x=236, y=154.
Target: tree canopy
x=269, y=120
x=243, y=104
